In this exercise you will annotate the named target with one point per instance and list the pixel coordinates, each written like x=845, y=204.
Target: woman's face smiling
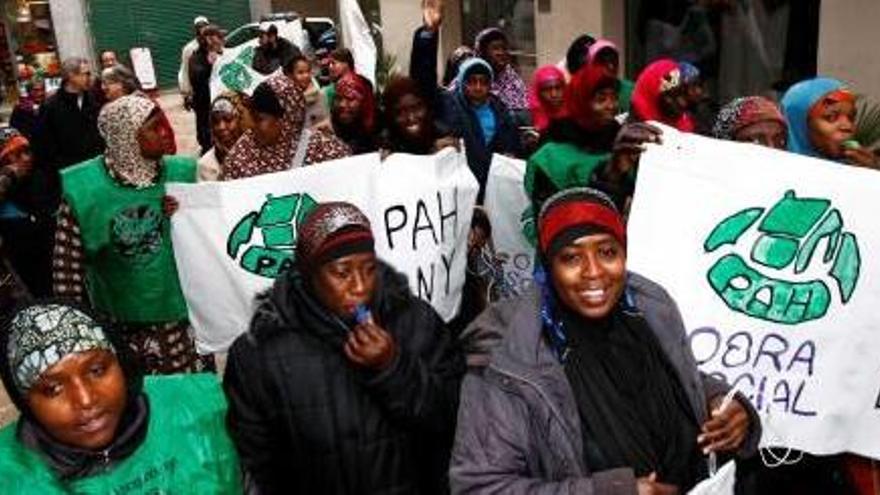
x=80, y=400
x=589, y=275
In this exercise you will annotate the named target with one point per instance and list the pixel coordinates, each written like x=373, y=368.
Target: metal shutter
x=163, y=26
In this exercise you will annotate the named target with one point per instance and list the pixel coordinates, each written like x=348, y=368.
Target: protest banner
x=771, y=258
x=232, y=239
x=509, y=212
x=233, y=71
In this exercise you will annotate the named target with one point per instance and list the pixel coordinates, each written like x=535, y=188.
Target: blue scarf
x=484, y=112
x=796, y=105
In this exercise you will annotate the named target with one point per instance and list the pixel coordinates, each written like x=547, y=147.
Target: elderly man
x=108, y=59
x=185, y=54
x=67, y=130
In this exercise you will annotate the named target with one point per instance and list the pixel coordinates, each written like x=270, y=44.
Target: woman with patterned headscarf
x=346, y=382
x=90, y=423
x=277, y=141
x=354, y=115
x=660, y=95
x=113, y=243
x=752, y=119
x=228, y=117
x=491, y=45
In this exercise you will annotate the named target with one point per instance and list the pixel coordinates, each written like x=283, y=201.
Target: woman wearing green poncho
x=113, y=239
x=574, y=147
x=91, y=425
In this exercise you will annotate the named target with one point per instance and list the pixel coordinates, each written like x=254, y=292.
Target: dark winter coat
x=306, y=420
x=519, y=430
x=458, y=116
x=454, y=113
x=66, y=134
x=267, y=60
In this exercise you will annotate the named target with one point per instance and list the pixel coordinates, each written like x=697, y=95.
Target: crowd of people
x=345, y=382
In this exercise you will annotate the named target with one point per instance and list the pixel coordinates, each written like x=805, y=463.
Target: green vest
x=564, y=164
x=130, y=268
x=187, y=449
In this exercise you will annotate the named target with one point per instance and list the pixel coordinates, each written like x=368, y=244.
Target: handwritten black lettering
x=396, y=226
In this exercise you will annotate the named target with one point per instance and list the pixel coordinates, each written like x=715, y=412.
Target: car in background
x=320, y=31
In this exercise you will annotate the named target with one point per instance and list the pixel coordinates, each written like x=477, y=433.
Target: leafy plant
x=386, y=67
x=868, y=122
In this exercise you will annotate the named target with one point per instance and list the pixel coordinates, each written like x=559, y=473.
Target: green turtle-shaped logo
x=789, y=234
x=236, y=74
x=136, y=232
x=277, y=221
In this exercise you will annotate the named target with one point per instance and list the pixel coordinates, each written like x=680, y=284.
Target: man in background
x=185, y=54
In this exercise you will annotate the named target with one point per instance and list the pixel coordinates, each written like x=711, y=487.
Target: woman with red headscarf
x=573, y=147
x=354, y=114
x=660, y=95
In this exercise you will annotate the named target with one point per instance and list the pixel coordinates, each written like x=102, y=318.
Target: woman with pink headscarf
x=547, y=97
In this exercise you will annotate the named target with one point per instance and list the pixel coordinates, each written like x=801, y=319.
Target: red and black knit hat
x=332, y=231
x=575, y=213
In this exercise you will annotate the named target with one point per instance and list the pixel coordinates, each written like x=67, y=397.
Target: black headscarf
x=633, y=408
x=68, y=462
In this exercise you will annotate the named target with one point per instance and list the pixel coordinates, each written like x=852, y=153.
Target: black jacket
x=305, y=420
x=66, y=134
x=459, y=117
x=268, y=60
x=200, y=79
x=453, y=113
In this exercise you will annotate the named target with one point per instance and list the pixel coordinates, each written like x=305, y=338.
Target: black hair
x=343, y=55
x=576, y=56
x=265, y=101
x=290, y=61
x=454, y=61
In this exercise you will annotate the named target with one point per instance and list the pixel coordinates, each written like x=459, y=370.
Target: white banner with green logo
x=231, y=239
x=233, y=71
x=509, y=211
x=771, y=257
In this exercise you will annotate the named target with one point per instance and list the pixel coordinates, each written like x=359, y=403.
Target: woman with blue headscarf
x=821, y=116
x=480, y=118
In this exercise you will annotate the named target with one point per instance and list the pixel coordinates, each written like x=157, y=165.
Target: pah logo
x=236, y=75
x=277, y=222
x=771, y=282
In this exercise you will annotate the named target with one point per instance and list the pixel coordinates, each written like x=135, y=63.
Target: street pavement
x=183, y=123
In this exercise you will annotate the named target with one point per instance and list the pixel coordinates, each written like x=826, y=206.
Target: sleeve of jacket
x=423, y=61
x=45, y=143
x=250, y=418
x=183, y=74
x=422, y=384
x=492, y=450
x=713, y=387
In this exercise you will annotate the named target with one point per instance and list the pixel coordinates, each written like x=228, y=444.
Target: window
x=515, y=17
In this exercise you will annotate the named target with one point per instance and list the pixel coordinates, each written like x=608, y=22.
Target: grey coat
x=518, y=423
